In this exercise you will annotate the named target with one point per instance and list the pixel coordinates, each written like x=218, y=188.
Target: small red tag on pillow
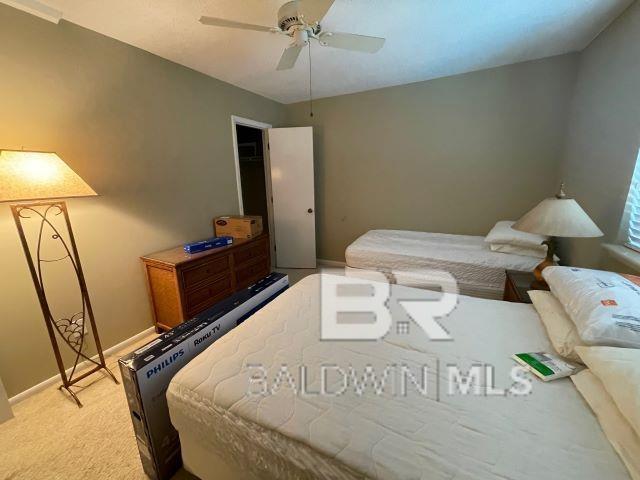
x=609, y=303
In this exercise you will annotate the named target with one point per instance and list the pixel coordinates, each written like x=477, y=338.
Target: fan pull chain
x=310, y=89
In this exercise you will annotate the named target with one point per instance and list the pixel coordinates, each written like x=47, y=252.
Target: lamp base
x=539, y=283
x=73, y=329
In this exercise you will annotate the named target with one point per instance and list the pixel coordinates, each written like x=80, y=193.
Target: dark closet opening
x=252, y=172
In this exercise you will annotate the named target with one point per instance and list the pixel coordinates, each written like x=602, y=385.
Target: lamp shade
x=558, y=217
x=38, y=176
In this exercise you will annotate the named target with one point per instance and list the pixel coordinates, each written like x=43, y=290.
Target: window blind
x=633, y=210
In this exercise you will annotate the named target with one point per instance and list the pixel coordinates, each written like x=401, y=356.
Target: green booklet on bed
x=545, y=365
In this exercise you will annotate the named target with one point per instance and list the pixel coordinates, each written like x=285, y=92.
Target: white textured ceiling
x=425, y=38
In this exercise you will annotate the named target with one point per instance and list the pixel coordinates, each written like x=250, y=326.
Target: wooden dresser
x=182, y=285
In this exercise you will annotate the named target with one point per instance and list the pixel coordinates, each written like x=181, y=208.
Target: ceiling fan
x=300, y=20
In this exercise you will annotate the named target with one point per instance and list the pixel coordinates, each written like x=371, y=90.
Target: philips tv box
x=146, y=372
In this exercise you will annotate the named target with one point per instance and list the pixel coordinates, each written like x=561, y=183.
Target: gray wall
x=152, y=138
x=449, y=155
x=604, y=133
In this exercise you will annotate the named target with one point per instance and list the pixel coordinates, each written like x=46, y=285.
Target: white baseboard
x=330, y=263
x=56, y=378
x=5, y=408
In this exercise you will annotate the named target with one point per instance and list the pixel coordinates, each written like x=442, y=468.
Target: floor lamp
x=38, y=180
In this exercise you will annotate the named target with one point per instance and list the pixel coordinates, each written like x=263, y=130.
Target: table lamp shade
x=38, y=176
x=558, y=217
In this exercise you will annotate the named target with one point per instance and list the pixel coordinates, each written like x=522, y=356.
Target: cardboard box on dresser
x=237, y=226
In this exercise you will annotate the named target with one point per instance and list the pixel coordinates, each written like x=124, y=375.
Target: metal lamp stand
x=71, y=330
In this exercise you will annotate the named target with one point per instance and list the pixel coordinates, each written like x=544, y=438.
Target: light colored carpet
x=51, y=438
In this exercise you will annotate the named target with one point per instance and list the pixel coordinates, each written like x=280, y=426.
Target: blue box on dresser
x=208, y=244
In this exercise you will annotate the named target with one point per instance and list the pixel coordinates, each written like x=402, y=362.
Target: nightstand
x=516, y=286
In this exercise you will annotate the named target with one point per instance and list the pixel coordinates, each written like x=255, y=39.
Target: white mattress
x=478, y=270
x=550, y=433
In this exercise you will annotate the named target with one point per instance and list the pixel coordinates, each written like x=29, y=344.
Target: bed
x=479, y=271
x=226, y=433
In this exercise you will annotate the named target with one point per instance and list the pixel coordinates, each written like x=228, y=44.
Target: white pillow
x=561, y=330
x=525, y=251
x=619, y=371
x=619, y=432
x=604, y=306
x=503, y=234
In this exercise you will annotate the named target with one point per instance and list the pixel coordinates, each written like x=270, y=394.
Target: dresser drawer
x=247, y=275
x=247, y=254
x=193, y=276
x=205, y=296
x=182, y=286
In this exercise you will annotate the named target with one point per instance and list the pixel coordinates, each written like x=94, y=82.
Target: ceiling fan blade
x=289, y=57
x=314, y=10
x=350, y=41
x=221, y=22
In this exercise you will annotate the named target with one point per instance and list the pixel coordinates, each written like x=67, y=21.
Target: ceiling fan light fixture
x=292, y=22
x=300, y=37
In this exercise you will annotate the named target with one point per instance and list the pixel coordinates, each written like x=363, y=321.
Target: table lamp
x=558, y=216
x=38, y=180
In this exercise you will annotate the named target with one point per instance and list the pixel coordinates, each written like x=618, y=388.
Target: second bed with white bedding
x=478, y=270
x=550, y=433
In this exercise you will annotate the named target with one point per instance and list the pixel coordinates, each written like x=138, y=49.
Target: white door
x=294, y=219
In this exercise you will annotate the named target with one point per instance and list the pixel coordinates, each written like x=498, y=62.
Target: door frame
x=247, y=122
